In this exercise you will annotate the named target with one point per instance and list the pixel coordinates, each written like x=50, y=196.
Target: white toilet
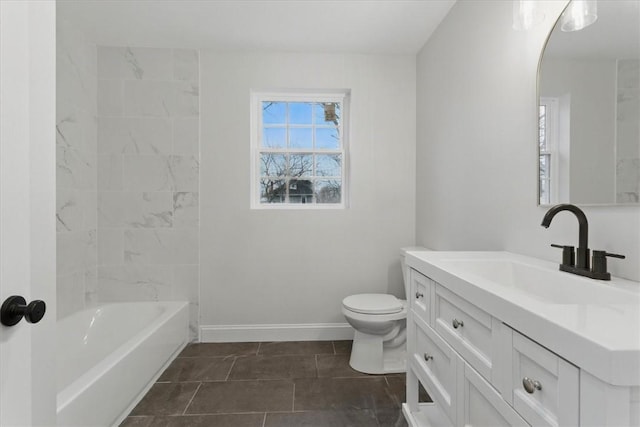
x=380, y=321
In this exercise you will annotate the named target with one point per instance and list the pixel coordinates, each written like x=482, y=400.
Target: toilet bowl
x=379, y=320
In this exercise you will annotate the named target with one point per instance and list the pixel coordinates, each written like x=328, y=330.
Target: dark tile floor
x=277, y=384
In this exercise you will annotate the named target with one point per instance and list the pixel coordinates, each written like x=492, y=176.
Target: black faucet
x=582, y=259
x=581, y=265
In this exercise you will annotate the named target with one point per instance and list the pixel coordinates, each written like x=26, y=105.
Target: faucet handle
x=599, y=262
x=612, y=255
x=568, y=254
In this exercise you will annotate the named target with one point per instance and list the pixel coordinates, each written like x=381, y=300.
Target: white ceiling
x=355, y=26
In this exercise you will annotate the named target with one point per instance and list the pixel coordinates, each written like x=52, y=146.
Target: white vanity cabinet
x=480, y=371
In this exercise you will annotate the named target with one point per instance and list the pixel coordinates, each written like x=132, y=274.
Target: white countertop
x=600, y=338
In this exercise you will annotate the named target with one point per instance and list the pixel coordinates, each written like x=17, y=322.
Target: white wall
x=590, y=85
x=295, y=266
x=476, y=144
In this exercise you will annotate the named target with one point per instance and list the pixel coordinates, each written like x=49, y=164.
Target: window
x=298, y=150
x=547, y=143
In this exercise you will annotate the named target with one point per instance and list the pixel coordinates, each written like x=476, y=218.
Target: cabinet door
x=479, y=405
x=436, y=364
x=545, y=387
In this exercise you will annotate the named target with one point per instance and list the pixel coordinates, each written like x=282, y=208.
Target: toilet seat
x=373, y=304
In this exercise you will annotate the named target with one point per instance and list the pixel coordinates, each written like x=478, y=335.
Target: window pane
x=542, y=128
x=300, y=113
x=545, y=195
x=300, y=138
x=327, y=138
x=326, y=113
x=300, y=165
x=328, y=191
x=274, y=137
x=274, y=112
x=300, y=191
x=273, y=191
x=329, y=165
x=272, y=164
x=544, y=166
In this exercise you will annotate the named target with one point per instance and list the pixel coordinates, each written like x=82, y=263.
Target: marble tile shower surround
x=627, y=132
x=76, y=165
x=148, y=175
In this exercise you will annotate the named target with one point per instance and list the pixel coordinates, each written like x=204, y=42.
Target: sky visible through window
x=301, y=153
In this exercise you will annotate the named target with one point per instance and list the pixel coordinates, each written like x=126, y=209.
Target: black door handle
x=15, y=308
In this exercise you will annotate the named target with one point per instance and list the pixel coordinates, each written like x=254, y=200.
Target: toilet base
x=370, y=356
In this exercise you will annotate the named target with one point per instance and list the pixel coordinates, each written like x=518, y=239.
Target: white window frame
x=257, y=98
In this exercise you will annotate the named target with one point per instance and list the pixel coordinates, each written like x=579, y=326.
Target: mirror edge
x=544, y=48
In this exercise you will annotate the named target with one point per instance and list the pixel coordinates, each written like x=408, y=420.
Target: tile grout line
x=231, y=368
x=293, y=400
x=191, y=400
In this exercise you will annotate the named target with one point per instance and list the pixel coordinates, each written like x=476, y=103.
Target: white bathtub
x=109, y=356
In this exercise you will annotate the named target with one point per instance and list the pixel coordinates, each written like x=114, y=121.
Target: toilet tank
x=405, y=268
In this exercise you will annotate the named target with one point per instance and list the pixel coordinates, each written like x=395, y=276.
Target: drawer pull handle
x=427, y=357
x=457, y=323
x=419, y=295
x=531, y=385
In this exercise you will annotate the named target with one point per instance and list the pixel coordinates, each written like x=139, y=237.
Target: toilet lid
x=373, y=304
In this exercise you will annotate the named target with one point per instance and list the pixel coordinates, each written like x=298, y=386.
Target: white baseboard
x=281, y=332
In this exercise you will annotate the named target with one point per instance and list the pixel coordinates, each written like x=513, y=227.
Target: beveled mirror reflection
x=589, y=110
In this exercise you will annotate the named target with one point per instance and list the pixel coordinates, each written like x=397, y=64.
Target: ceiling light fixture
x=578, y=15
x=526, y=14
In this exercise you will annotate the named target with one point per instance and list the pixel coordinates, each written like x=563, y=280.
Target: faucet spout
x=582, y=260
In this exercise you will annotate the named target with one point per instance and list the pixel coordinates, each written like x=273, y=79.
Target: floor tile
x=273, y=367
x=398, y=386
x=296, y=347
x=197, y=369
x=388, y=417
x=301, y=384
x=137, y=421
x=242, y=396
x=342, y=393
x=336, y=365
x=166, y=399
x=216, y=349
x=221, y=420
x=336, y=418
x=342, y=347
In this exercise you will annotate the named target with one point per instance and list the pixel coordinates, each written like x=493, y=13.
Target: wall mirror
x=589, y=109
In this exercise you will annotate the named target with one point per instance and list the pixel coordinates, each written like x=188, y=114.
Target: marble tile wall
x=76, y=162
x=628, y=132
x=148, y=175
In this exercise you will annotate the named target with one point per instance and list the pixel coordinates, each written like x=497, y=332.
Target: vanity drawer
x=479, y=404
x=422, y=289
x=467, y=329
x=437, y=362
x=545, y=387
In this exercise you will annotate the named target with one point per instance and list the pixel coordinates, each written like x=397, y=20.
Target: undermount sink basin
x=539, y=280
